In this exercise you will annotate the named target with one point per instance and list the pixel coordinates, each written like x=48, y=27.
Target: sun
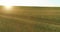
x=7, y=7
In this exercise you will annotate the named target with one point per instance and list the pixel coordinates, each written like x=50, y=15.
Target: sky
x=30, y=2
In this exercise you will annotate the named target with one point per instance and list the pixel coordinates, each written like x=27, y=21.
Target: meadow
x=31, y=19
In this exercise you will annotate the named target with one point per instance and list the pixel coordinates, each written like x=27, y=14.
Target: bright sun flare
x=7, y=7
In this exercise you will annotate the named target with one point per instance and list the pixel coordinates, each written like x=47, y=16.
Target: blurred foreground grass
x=12, y=25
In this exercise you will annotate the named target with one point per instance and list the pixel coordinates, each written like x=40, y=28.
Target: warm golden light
x=7, y=8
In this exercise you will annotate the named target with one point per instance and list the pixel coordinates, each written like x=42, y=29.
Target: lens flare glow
x=7, y=7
